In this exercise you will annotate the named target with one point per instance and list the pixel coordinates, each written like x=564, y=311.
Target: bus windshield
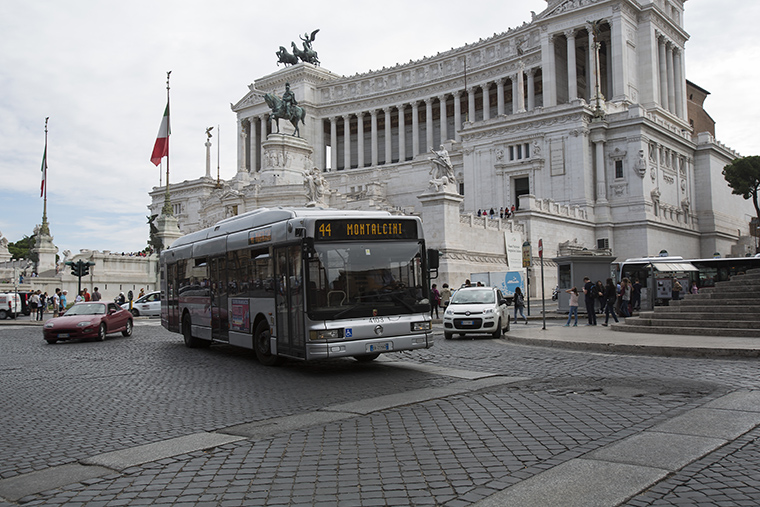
x=366, y=279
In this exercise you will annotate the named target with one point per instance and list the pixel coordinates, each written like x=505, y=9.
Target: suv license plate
x=380, y=347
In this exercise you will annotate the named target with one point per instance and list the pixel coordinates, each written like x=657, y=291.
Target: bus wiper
x=349, y=309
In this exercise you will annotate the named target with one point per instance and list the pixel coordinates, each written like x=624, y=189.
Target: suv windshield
x=472, y=297
x=365, y=280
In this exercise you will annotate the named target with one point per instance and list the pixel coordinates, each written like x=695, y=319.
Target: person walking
x=41, y=306
x=96, y=296
x=694, y=288
x=519, y=300
x=610, y=293
x=573, y=306
x=625, y=297
x=34, y=304
x=56, y=299
x=600, y=299
x=63, y=300
x=445, y=295
x=436, y=301
x=636, y=295
x=589, y=288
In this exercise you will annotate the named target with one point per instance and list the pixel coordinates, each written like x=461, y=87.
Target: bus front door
x=289, y=301
x=219, y=317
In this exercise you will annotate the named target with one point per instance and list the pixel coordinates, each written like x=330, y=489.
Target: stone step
x=752, y=297
x=731, y=287
x=702, y=323
x=635, y=327
x=713, y=301
x=693, y=309
x=700, y=313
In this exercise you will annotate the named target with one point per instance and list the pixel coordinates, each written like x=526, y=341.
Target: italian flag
x=161, y=148
x=44, y=172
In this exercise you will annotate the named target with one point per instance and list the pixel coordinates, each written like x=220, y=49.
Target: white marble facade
x=524, y=129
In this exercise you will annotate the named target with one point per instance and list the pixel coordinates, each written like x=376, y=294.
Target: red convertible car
x=91, y=320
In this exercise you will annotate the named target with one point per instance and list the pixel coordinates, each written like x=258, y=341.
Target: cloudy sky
x=97, y=68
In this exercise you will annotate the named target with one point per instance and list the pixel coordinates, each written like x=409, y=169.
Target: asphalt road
x=145, y=421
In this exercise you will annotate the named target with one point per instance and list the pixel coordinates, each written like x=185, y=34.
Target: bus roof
x=265, y=216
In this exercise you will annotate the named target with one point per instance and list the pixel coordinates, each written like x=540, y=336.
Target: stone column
x=388, y=136
x=549, y=71
x=321, y=152
x=572, y=77
x=671, y=78
x=471, y=104
x=401, y=133
x=208, y=155
x=334, y=143
x=590, y=68
x=486, y=101
x=663, y=72
x=457, y=115
x=347, y=141
x=429, y=122
x=444, y=126
x=253, y=157
x=373, y=118
x=240, y=148
x=598, y=138
x=608, y=55
x=360, y=140
x=415, y=128
x=678, y=82
x=521, y=89
x=531, y=89
x=500, y=96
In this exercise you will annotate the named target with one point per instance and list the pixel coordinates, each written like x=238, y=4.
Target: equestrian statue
x=287, y=108
x=307, y=54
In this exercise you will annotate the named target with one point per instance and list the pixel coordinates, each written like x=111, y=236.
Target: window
x=618, y=169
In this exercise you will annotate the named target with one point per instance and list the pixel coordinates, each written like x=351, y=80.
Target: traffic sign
x=541, y=248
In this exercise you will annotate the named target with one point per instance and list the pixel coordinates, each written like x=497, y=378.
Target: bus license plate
x=380, y=347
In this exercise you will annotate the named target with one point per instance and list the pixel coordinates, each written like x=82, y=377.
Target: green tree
x=22, y=249
x=743, y=176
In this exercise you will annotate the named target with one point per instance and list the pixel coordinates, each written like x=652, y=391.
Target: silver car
x=476, y=310
x=147, y=305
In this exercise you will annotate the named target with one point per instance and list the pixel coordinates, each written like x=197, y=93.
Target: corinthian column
x=429, y=122
x=521, y=89
x=360, y=140
x=334, y=143
x=444, y=126
x=401, y=133
x=663, y=73
x=457, y=115
x=486, y=102
x=415, y=128
x=572, y=78
x=347, y=141
x=500, y=96
x=388, y=138
x=671, y=78
x=373, y=118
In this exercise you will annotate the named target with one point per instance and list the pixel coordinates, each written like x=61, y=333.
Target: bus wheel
x=365, y=358
x=191, y=341
x=261, y=342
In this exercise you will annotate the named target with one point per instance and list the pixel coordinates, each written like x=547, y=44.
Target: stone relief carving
x=316, y=186
x=641, y=164
x=442, y=172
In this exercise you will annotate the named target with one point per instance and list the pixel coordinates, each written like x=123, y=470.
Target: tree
x=743, y=176
x=22, y=249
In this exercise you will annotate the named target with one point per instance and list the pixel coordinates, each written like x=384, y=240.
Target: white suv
x=476, y=310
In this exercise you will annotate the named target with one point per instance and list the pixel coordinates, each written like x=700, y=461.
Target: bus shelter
x=572, y=269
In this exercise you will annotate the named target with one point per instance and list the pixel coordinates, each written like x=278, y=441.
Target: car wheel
x=128, y=329
x=497, y=334
x=52, y=342
x=102, y=332
x=3, y=314
x=191, y=341
x=262, y=344
x=448, y=336
x=508, y=324
x=366, y=358
x=135, y=312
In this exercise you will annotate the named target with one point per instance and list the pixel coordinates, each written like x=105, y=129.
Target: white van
x=10, y=305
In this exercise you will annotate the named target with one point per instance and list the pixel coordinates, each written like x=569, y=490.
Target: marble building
x=583, y=119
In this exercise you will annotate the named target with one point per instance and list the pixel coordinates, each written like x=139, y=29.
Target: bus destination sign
x=260, y=236
x=357, y=228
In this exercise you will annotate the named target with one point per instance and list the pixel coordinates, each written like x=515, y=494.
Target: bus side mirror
x=433, y=256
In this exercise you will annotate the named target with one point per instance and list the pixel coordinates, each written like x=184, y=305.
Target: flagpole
x=167, y=209
x=44, y=228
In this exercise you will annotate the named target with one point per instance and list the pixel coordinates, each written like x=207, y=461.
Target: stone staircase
x=730, y=308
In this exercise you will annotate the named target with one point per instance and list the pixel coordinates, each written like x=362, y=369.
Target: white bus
x=304, y=283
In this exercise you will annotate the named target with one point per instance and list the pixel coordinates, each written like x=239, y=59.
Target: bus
x=656, y=274
x=302, y=283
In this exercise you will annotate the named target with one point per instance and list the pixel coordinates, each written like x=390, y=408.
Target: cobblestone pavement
x=461, y=442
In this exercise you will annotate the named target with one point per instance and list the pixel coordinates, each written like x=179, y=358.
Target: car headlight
x=488, y=311
x=49, y=325
x=84, y=324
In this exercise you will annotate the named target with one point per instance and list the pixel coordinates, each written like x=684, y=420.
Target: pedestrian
x=600, y=299
x=676, y=292
x=445, y=295
x=491, y=213
x=636, y=295
x=142, y=293
x=589, y=289
x=41, y=306
x=694, y=288
x=625, y=297
x=80, y=297
x=467, y=283
x=121, y=299
x=610, y=293
x=436, y=301
x=34, y=303
x=519, y=300
x=573, y=306
x=96, y=296
x=501, y=212
x=63, y=300
x=85, y=294
x=56, y=300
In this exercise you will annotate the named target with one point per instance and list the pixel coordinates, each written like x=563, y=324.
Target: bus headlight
x=422, y=326
x=326, y=334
